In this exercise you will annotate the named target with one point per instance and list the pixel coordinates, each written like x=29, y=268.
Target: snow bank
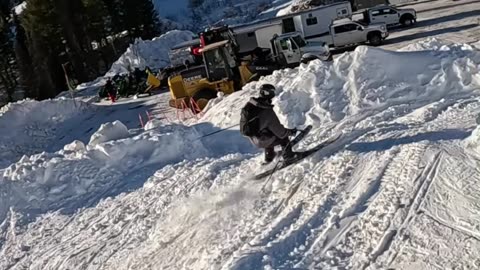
x=149, y=53
x=473, y=141
x=476, y=45
x=79, y=173
x=109, y=132
x=361, y=82
x=47, y=181
x=437, y=45
x=29, y=127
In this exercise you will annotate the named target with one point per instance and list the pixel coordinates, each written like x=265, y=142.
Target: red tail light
x=196, y=51
x=202, y=41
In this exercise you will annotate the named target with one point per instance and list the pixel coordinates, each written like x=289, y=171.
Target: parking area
x=453, y=21
x=446, y=20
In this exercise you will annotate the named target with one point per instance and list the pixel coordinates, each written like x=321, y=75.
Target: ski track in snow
x=341, y=201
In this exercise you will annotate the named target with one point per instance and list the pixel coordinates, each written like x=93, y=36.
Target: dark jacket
x=270, y=128
x=109, y=87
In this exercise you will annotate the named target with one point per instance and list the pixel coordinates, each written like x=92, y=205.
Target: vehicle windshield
x=300, y=41
x=214, y=59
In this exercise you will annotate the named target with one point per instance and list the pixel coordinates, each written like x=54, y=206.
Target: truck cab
x=390, y=16
x=291, y=49
x=348, y=32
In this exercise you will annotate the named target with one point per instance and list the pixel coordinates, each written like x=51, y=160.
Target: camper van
x=257, y=36
x=313, y=24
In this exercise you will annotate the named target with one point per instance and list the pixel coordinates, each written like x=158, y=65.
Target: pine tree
x=50, y=33
x=8, y=68
x=195, y=3
x=141, y=18
x=70, y=15
x=97, y=19
x=24, y=60
x=115, y=9
x=44, y=39
x=150, y=22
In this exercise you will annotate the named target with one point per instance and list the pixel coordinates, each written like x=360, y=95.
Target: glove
x=292, y=132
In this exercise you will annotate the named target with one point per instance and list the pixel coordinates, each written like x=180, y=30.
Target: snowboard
x=299, y=157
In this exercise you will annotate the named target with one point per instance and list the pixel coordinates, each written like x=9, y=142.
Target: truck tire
x=375, y=39
x=307, y=59
x=329, y=58
x=407, y=20
x=202, y=97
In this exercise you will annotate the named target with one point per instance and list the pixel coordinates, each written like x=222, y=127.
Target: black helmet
x=267, y=91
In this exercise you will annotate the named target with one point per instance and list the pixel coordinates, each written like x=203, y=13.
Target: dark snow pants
x=270, y=150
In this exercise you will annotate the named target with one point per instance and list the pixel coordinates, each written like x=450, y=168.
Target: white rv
x=256, y=36
x=313, y=24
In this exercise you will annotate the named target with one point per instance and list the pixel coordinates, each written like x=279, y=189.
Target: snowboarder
x=110, y=89
x=261, y=125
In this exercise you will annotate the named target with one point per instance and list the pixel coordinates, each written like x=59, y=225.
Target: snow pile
x=79, y=173
x=29, y=127
x=293, y=7
x=109, y=132
x=48, y=181
x=476, y=45
x=361, y=82
x=149, y=53
x=434, y=44
x=74, y=147
x=153, y=124
x=141, y=54
x=473, y=141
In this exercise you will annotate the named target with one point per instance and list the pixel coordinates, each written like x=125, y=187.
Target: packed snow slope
x=399, y=189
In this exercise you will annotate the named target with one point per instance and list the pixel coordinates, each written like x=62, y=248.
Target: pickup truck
x=290, y=49
x=346, y=32
x=390, y=16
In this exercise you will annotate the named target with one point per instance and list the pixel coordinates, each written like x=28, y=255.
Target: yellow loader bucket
x=152, y=81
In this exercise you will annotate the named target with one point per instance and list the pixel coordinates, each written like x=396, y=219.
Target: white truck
x=347, y=32
x=290, y=48
x=390, y=16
